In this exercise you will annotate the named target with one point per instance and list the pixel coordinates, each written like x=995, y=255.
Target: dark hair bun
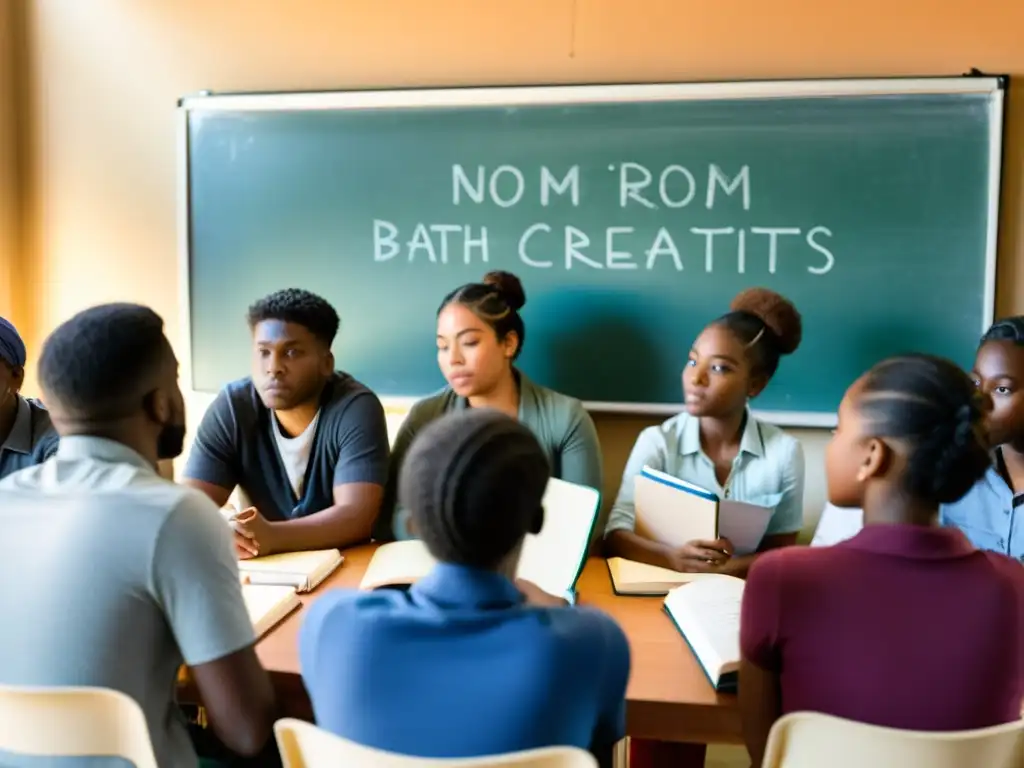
x=776, y=312
x=508, y=286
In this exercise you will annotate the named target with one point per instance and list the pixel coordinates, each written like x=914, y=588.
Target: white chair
x=813, y=740
x=74, y=722
x=304, y=745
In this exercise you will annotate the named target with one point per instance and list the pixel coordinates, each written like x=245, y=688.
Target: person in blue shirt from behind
x=469, y=661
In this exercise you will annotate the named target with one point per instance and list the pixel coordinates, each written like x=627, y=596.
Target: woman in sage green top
x=479, y=335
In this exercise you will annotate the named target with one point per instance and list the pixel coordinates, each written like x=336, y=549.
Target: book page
x=399, y=562
x=708, y=613
x=743, y=524
x=552, y=559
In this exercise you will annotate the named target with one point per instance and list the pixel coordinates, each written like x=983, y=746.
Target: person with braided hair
x=717, y=444
x=469, y=661
x=991, y=513
x=907, y=624
x=480, y=334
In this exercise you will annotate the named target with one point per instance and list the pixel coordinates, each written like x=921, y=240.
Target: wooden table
x=668, y=697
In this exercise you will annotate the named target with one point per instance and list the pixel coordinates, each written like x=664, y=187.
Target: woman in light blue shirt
x=717, y=444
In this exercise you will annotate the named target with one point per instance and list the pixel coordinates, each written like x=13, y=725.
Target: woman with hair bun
x=907, y=624
x=717, y=444
x=480, y=334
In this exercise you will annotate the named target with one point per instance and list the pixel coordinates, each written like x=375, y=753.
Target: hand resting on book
x=253, y=534
x=701, y=556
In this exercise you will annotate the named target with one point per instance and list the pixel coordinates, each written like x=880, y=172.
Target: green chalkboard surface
x=632, y=214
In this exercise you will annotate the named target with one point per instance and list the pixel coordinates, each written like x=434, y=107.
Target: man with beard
x=306, y=445
x=115, y=576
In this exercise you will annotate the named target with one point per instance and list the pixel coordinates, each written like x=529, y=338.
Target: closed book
x=644, y=580
x=302, y=571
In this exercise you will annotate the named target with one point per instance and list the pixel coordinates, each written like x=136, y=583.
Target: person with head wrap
x=469, y=661
x=26, y=435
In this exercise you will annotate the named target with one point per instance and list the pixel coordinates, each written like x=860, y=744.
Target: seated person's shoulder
x=349, y=399
x=559, y=405
x=582, y=629
x=432, y=407
x=795, y=565
x=240, y=393
x=777, y=441
x=1007, y=569
x=237, y=403
x=351, y=612
x=178, y=500
x=44, y=437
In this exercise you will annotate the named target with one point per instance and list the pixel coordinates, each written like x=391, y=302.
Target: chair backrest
x=810, y=740
x=303, y=745
x=70, y=722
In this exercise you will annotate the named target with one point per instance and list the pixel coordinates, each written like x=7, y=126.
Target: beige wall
x=102, y=77
x=10, y=208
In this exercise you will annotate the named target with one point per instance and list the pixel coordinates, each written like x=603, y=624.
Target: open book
x=552, y=559
x=302, y=571
x=674, y=512
x=707, y=614
x=642, y=579
x=267, y=605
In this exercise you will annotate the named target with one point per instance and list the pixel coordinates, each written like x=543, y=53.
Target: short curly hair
x=294, y=305
x=767, y=324
x=100, y=364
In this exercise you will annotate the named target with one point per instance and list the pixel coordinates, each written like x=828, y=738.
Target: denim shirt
x=987, y=516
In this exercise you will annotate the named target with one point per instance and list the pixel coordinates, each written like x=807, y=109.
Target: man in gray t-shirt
x=114, y=576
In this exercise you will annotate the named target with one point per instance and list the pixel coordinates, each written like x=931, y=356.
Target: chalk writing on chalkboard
x=543, y=245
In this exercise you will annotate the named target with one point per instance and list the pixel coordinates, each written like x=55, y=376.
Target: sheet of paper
x=743, y=524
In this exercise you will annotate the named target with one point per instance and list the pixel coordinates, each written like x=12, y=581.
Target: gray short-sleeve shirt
x=32, y=439
x=114, y=577
x=235, y=446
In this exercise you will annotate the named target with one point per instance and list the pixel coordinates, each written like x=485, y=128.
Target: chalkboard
x=632, y=214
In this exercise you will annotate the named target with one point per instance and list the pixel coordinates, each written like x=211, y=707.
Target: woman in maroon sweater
x=907, y=624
